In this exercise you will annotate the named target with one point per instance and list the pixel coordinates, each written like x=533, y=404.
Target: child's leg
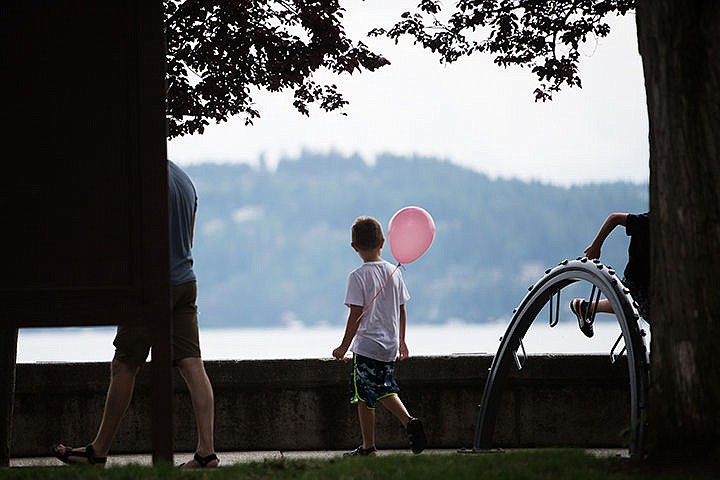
x=603, y=306
x=394, y=405
x=367, y=424
x=413, y=426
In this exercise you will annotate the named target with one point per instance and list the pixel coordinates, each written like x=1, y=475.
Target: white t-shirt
x=378, y=336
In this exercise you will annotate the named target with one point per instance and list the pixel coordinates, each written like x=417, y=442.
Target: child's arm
x=404, y=352
x=612, y=221
x=353, y=322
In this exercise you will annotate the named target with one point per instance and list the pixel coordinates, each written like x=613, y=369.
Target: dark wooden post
x=84, y=206
x=152, y=133
x=8, y=350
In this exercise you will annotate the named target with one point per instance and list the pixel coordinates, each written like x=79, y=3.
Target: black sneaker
x=579, y=307
x=362, y=452
x=416, y=435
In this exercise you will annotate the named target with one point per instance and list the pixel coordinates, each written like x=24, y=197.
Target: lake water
x=95, y=344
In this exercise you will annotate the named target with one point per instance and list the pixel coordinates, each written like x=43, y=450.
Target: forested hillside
x=273, y=247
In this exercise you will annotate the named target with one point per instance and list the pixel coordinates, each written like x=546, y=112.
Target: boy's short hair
x=367, y=233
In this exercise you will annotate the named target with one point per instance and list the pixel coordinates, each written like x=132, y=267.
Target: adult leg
x=193, y=372
x=120, y=391
x=119, y=394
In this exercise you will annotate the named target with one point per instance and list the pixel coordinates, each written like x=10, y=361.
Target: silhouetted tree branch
x=541, y=35
x=219, y=52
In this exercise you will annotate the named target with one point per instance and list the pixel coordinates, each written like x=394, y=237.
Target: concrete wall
x=302, y=405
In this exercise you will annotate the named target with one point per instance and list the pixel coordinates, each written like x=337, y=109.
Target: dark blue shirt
x=182, y=205
x=637, y=228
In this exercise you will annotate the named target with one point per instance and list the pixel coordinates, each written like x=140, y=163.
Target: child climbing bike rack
x=548, y=290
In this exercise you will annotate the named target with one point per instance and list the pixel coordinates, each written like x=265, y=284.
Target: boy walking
x=375, y=333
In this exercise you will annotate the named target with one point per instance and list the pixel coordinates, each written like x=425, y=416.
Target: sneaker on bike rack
x=579, y=307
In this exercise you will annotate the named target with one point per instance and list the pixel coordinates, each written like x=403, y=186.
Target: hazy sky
x=472, y=113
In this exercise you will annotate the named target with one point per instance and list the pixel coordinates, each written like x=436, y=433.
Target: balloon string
x=378, y=292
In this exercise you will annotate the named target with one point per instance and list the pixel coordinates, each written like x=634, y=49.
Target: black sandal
x=203, y=461
x=88, y=455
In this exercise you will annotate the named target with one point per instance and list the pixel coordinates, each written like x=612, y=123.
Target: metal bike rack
x=603, y=280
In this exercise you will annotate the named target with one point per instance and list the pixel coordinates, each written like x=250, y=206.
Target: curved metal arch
x=554, y=280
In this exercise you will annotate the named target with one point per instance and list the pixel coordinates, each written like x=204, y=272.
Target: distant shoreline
x=95, y=344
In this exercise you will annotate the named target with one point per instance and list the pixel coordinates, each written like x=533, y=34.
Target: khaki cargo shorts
x=132, y=342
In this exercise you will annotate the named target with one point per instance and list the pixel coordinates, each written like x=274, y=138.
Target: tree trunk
x=679, y=42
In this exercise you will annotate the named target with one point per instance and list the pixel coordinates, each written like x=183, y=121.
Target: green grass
x=551, y=464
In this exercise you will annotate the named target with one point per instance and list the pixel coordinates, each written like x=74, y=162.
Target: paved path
x=231, y=458
x=226, y=458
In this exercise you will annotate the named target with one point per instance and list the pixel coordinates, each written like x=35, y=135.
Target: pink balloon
x=410, y=234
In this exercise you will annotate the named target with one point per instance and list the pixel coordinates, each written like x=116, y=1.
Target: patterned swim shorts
x=372, y=380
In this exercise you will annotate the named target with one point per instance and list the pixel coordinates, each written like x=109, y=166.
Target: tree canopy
x=543, y=36
x=218, y=52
